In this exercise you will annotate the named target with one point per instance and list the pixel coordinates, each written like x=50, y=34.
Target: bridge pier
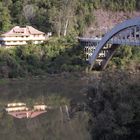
x=109, y=55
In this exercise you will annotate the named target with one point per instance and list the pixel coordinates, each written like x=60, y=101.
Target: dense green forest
x=67, y=18
x=61, y=17
x=55, y=56
x=113, y=103
x=58, y=56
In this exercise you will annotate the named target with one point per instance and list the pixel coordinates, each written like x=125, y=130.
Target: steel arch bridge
x=125, y=33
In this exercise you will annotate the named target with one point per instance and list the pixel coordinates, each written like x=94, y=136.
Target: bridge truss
x=100, y=50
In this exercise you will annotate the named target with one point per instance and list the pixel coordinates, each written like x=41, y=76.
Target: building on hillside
x=16, y=104
x=40, y=107
x=11, y=107
x=20, y=110
x=23, y=35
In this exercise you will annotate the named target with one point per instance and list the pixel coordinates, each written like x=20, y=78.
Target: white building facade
x=11, y=107
x=22, y=35
x=40, y=107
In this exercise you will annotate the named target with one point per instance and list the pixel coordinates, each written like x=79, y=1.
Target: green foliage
x=114, y=106
x=56, y=56
x=117, y=5
x=5, y=18
x=60, y=17
x=126, y=55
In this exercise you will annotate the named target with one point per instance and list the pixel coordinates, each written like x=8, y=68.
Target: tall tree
x=114, y=107
x=5, y=20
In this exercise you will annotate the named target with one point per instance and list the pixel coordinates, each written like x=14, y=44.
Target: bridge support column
x=109, y=55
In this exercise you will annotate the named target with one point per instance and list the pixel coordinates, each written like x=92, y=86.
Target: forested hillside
x=69, y=18
x=58, y=16
x=113, y=103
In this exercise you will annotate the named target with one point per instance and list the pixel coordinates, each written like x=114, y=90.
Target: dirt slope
x=105, y=20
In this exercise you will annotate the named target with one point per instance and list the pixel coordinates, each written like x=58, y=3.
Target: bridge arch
x=117, y=29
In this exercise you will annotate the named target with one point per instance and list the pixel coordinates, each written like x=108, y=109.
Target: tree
x=5, y=20
x=114, y=107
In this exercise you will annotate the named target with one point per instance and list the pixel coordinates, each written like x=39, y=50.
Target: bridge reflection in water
x=100, y=50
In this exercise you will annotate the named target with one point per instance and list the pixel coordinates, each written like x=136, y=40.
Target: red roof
x=23, y=31
x=24, y=114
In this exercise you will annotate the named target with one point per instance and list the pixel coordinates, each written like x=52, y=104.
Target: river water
x=52, y=125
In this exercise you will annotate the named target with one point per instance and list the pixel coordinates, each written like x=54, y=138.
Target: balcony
x=23, y=38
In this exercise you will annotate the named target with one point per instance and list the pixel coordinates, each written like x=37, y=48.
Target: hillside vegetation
x=114, y=106
x=55, y=56
x=61, y=17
